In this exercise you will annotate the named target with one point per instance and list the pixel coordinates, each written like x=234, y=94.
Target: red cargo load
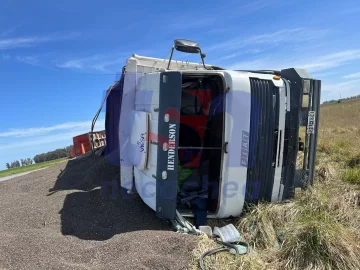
x=82, y=143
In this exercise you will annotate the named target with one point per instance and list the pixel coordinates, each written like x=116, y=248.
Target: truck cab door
x=168, y=141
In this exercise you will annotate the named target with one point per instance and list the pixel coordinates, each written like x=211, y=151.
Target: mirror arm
x=201, y=55
x=202, y=59
x=172, y=51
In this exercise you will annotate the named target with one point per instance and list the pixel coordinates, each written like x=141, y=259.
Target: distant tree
x=15, y=164
x=29, y=161
x=68, y=150
x=52, y=155
x=22, y=162
x=26, y=161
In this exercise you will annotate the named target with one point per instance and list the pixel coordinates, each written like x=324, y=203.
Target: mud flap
x=168, y=141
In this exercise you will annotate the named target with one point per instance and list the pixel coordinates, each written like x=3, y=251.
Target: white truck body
x=258, y=141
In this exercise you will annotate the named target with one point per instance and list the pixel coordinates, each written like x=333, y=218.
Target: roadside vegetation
x=30, y=167
x=41, y=161
x=320, y=227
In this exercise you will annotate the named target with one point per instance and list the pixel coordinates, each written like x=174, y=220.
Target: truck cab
x=229, y=138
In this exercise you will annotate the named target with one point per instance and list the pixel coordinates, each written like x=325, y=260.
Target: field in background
x=30, y=167
x=320, y=227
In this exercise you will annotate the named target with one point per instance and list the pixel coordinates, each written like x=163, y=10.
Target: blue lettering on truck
x=244, y=148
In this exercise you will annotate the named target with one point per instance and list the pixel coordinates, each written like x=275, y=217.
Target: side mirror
x=187, y=46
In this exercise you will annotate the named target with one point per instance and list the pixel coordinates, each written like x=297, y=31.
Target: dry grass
x=260, y=226
x=318, y=243
x=318, y=229
x=354, y=161
x=320, y=236
x=224, y=260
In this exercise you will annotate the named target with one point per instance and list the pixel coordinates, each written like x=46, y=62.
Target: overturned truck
x=199, y=140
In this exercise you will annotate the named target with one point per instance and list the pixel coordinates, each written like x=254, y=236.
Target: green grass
x=30, y=167
x=351, y=176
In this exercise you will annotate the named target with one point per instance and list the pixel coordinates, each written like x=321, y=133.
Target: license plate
x=311, y=122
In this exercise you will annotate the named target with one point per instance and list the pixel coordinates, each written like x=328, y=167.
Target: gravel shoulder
x=56, y=218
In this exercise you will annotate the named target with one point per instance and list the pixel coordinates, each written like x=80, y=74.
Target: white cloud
x=10, y=30
x=326, y=74
x=39, y=141
x=184, y=23
x=256, y=5
x=345, y=89
x=333, y=60
x=25, y=139
x=239, y=54
x=30, y=60
x=20, y=42
x=280, y=37
x=98, y=62
x=320, y=67
x=5, y=57
x=313, y=64
x=259, y=63
x=29, y=132
x=352, y=76
x=35, y=60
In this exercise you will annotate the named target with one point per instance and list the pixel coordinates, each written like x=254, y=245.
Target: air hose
x=208, y=253
x=98, y=113
x=96, y=117
x=238, y=248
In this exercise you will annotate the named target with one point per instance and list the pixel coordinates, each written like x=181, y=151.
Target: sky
x=58, y=57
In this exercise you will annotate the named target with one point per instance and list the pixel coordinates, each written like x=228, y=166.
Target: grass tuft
x=324, y=147
x=354, y=161
x=351, y=176
x=259, y=226
x=314, y=242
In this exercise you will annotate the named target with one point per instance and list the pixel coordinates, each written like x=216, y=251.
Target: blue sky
x=58, y=57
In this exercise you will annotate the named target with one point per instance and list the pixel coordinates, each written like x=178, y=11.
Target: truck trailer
x=194, y=139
